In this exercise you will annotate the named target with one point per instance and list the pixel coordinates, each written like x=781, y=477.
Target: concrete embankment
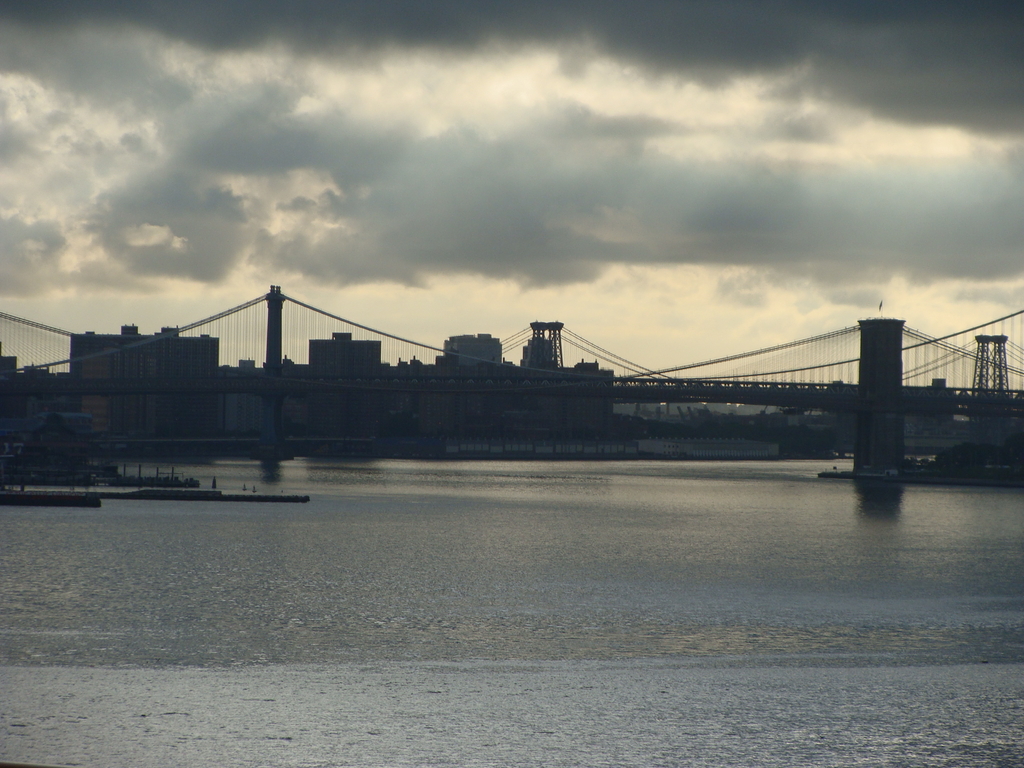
x=162, y=494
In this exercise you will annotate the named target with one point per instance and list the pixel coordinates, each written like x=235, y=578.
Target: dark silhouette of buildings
x=344, y=413
x=471, y=350
x=8, y=363
x=347, y=407
x=11, y=407
x=356, y=413
x=163, y=356
x=341, y=356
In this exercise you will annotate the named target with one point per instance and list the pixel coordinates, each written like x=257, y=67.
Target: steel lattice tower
x=990, y=369
x=544, y=349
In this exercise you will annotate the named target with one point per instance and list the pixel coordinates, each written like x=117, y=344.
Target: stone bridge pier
x=878, y=444
x=272, y=445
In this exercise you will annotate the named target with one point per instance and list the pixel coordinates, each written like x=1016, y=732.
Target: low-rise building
x=709, y=449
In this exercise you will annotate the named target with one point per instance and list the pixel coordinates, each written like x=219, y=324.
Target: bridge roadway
x=827, y=397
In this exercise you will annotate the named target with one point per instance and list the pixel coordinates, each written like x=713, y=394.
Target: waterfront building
x=345, y=413
x=709, y=449
x=241, y=413
x=131, y=355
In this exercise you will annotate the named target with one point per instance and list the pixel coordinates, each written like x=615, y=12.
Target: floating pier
x=48, y=499
x=174, y=494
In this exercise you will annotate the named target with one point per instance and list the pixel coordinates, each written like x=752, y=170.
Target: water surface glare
x=518, y=613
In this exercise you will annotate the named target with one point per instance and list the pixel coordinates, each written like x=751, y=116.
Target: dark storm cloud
x=209, y=173
x=28, y=254
x=108, y=69
x=265, y=137
x=458, y=203
x=177, y=224
x=555, y=201
x=931, y=61
x=396, y=206
x=548, y=206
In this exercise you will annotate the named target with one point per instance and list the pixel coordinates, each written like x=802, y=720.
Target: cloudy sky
x=670, y=179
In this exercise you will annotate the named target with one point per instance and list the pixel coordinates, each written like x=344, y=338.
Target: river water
x=518, y=613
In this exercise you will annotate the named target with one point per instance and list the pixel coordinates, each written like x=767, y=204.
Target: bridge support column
x=878, y=445
x=272, y=445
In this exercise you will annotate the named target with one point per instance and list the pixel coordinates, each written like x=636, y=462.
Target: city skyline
x=707, y=178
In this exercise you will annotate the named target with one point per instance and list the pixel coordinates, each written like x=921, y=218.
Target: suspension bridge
x=880, y=370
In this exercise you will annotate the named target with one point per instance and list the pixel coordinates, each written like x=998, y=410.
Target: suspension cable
x=366, y=328
x=766, y=350
x=33, y=324
x=515, y=338
x=762, y=373
x=966, y=330
x=151, y=339
x=611, y=356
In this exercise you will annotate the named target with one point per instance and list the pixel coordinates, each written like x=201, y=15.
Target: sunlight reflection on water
x=550, y=594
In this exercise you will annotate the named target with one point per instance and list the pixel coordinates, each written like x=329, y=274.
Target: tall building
x=8, y=363
x=131, y=355
x=241, y=413
x=341, y=356
x=11, y=407
x=473, y=350
x=344, y=413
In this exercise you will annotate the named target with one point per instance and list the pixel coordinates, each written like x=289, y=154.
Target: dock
x=175, y=494
x=9, y=498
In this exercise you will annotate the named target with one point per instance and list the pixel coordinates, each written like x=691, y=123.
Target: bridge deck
x=829, y=397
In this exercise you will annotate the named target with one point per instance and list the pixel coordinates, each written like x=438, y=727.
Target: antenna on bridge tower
x=990, y=368
x=544, y=349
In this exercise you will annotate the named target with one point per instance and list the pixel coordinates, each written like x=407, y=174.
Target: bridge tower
x=879, y=440
x=990, y=368
x=544, y=349
x=271, y=444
